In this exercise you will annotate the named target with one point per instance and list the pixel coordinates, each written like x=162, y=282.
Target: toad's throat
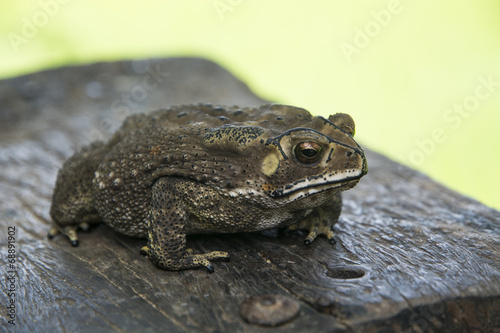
x=308, y=186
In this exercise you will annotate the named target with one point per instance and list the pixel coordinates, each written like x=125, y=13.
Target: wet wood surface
x=411, y=255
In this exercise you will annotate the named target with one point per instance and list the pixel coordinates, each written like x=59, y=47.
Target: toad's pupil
x=309, y=153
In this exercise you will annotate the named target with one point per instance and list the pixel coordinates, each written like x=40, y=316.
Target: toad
x=200, y=168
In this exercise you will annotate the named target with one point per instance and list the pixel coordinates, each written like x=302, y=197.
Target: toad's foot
x=68, y=231
x=188, y=260
x=316, y=227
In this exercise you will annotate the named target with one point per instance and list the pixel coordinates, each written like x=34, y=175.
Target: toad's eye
x=308, y=152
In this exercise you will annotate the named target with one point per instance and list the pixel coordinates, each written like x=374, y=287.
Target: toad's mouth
x=340, y=181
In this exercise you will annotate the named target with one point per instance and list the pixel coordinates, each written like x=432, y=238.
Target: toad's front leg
x=321, y=220
x=166, y=229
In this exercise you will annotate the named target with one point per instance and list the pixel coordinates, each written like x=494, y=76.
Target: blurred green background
x=421, y=78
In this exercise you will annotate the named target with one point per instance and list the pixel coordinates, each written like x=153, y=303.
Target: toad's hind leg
x=72, y=201
x=166, y=229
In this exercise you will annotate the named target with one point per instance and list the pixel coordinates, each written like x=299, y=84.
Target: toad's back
x=206, y=117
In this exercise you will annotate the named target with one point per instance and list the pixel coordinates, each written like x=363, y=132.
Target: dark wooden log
x=411, y=255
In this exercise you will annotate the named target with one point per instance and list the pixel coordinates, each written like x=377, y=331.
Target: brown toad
x=210, y=169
